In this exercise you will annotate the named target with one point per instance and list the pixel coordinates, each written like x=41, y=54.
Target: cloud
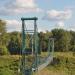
x=14, y=7
x=72, y=27
x=16, y=25
x=25, y=3
x=58, y=16
x=13, y=25
x=54, y=15
x=60, y=24
x=41, y=30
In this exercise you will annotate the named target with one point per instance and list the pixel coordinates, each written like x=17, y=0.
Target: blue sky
x=51, y=13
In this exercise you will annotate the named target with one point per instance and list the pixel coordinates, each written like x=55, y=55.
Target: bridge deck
x=46, y=63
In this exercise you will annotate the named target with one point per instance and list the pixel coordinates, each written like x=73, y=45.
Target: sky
x=51, y=13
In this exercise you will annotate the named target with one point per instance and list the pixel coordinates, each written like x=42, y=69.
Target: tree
x=3, y=50
x=72, y=47
x=56, y=36
x=41, y=41
x=14, y=44
x=3, y=38
x=62, y=39
x=2, y=31
x=2, y=26
x=65, y=41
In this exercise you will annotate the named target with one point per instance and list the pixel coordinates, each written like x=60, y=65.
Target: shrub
x=3, y=50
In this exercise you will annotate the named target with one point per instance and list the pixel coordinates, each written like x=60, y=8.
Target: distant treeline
x=11, y=43
x=63, y=41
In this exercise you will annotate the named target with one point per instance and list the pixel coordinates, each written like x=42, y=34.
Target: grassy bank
x=63, y=64
x=8, y=65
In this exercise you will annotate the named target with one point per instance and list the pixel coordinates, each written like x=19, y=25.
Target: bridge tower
x=31, y=59
x=26, y=68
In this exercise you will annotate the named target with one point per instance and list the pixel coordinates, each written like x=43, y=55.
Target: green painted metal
x=51, y=47
x=36, y=45
x=38, y=60
x=33, y=18
x=23, y=47
x=25, y=70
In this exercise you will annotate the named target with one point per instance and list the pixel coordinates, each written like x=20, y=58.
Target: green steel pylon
x=50, y=46
x=24, y=69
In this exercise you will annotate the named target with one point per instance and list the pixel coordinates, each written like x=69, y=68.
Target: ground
x=63, y=64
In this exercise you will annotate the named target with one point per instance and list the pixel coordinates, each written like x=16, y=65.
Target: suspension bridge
x=31, y=59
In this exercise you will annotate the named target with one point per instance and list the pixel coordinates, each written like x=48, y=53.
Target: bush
x=6, y=71
x=3, y=50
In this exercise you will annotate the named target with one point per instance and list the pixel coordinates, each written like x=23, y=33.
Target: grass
x=63, y=64
x=8, y=65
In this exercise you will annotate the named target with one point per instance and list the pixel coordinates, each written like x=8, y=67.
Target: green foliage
x=63, y=62
x=14, y=44
x=72, y=47
x=9, y=65
x=6, y=71
x=2, y=32
x=43, y=40
x=3, y=50
x=62, y=39
x=2, y=26
x=4, y=39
